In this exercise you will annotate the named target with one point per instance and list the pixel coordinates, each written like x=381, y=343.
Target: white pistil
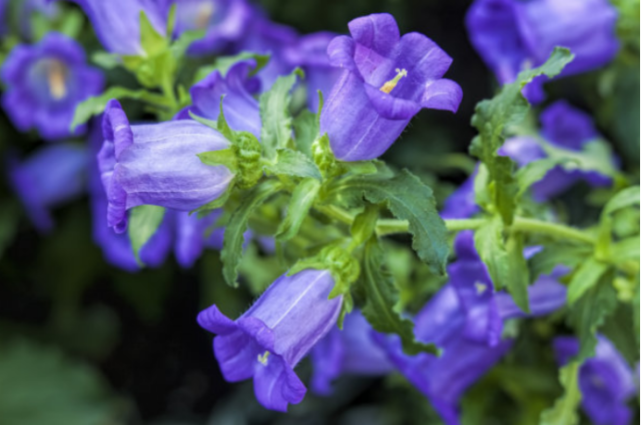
x=389, y=86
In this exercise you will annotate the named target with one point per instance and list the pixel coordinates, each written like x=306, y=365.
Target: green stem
x=558, y=231
x=389, y=227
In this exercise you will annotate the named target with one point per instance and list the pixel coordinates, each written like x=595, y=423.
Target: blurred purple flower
x=310, y=54
x=386, y=80
x=191, y=235
x=50, y=177
x=266, y=37
x=117, y=22
x=157, y=164
x=45, y=82
x=567, y=128
x=240, y=107
x=225, y=22
x=606, y=381
x=116, y=248
x=465, y=319
x=269, y=340
x=486, y=309
x=462, y=202
x=28, y=8
x=348, y=351
x=513, y=35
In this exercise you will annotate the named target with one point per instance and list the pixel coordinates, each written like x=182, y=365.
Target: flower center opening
x=56, y=77
x=262, y=358
x=205, y=13
x=480, y=288
x=389, y=86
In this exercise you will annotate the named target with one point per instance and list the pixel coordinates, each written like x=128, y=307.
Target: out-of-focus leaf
x=39, y=386
x=564, y=411
x=587, y=275
x=144, y=220
x=302, y=199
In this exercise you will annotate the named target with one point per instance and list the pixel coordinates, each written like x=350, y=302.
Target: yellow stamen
x=205, y=13
x=262, y=358
x=56, y=75
x=389, y=86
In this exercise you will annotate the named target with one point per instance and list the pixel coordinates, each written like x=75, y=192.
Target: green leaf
x=40, y=386
x=491, y=118
x=587, y=275
x=635, y=311
x=535, y=171
x=408, y=199
x=232, y=251
x=152, y=42
x=223, y=64
x=381, y=296
x=626, y=250
x=588, y=314
x=144, y=220
x=626, y=198
x=306, y=129
x=489, y=243
x=594, y=156
x=106, y=60
x=564, y=411
x=519, y=279
x=294, y=163
x=555, y=255
x=275, y=115
x=96, y=105
x=364, y=225
x=301, y=201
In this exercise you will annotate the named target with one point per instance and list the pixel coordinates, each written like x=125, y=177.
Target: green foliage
x=224, y=63
x=585, y=277
x=275, y=114
x=531, y=173
x=306, y=129
x=232, y=251
x=588, y=314
x=144, y=220
x=492, y=117
x=408, y=199
x=96, y=105
x=564, y=411
x=40, y=386
x=381, y=299
x=302, y=199
x=557, y=254
x=293, y=163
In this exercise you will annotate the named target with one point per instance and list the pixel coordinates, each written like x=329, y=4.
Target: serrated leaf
x=223, y=64
x=588, y=314
x=519, y=279
x=96, y=105
x=40, y=386
x=584, y=278
x=408, y=199
x=491, y=117
x=306, y=129
x=293, y=163
x=232, y=251
x=301, y=201
x=381, y=296
x=144, y=220
x=275, y=115
x=564, y=411
x=533, y=172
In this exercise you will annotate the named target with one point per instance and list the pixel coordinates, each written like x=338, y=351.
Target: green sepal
x=564, y=411
x=224, y=63
x=344, y=268
x=491, y=118
x=232, y=251
x=300, y=203
x=381, y=298
x=151, y=41
x=588, y=314
x=144, y=221
x=364, y=225
x=216, y=203
x=96, y=105
x=226, y=157
x=275, y=114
